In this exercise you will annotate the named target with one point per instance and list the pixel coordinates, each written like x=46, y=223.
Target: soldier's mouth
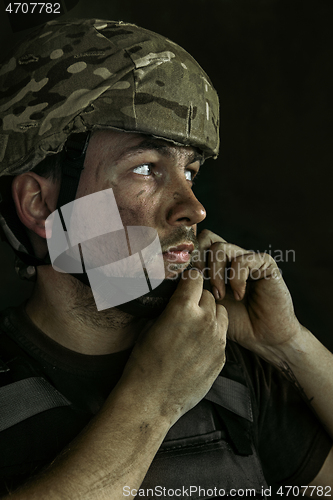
x=180, y=254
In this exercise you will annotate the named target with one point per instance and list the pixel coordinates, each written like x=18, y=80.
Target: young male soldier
x=84, y=413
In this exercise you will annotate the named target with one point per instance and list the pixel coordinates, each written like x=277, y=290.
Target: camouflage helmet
x=79, y=75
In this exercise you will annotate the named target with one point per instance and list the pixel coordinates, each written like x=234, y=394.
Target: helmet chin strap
x=72, y=166
x=150, y=305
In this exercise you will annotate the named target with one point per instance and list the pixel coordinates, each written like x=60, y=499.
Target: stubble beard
x=85, y=307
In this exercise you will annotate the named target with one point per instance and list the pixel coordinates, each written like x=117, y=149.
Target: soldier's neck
x=65, y=310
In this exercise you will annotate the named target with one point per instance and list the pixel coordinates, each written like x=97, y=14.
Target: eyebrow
x=151, y=144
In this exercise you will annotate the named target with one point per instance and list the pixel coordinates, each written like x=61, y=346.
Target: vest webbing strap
x=26, y=398
x=231, y=395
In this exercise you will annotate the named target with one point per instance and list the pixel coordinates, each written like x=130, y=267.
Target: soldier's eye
x=189, y=175
x=144, y=169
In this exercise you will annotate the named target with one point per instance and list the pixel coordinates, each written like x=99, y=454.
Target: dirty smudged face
x=152, y=182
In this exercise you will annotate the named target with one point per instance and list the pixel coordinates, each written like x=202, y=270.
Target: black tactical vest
x=210, y=451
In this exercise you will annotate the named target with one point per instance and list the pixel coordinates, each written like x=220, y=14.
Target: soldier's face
x=152, y=183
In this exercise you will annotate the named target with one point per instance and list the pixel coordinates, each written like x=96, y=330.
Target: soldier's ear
x=35, y=198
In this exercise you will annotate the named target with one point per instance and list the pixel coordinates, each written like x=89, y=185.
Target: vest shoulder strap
x=24, y=391
x=25, y=398
x=231, y=395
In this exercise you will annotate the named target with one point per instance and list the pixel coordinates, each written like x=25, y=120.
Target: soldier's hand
x=259, y=305
x=177, y=360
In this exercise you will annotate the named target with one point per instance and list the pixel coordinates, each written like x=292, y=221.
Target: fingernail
x=216, y=293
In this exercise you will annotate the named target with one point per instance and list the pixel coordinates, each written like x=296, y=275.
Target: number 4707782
x=33, y=7
x=296, y=491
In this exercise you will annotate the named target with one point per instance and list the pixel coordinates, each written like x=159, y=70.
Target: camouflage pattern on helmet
x=78, y=75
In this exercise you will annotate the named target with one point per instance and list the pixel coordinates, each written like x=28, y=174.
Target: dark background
x=271, y=187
